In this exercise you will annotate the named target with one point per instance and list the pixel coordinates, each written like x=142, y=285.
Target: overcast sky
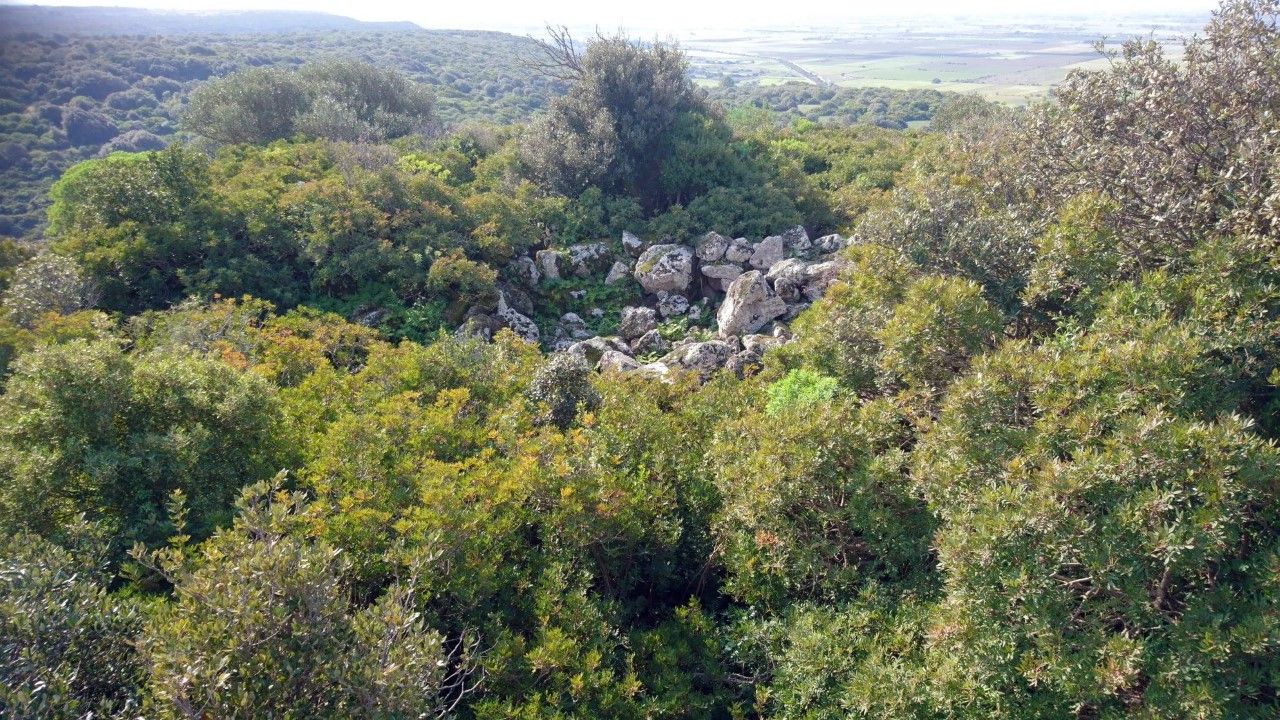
x=670, y=15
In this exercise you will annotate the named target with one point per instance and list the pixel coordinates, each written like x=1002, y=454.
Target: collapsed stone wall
x=751, y=289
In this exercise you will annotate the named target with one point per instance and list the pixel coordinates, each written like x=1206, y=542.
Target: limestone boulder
x=636, y=321
x=617, y=273
x=719, y=277
x=588, y=259
x=748, y=305
x=617, y=362
x=519, y=323
x=651, y=343
x=525, y=271
x=711, y=247
x=553, y=264
x=672, y=304
x=704, y=358
x=631, y=244
x=593, y=349
x=739, y=251
x=766, y=253
x=665, y=268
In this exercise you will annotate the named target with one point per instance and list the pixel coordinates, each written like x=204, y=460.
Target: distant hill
x=43, y=20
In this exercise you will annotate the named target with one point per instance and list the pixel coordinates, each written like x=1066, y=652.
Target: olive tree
x=615, y=127
x=47, y=283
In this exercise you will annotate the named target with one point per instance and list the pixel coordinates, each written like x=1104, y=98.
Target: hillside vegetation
x=646, y=409
x=78, y=83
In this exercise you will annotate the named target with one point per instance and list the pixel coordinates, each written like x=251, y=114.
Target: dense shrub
x=339, y=100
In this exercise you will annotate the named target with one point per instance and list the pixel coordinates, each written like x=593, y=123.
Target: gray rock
x=552, y=263
x=819, y=276
x=592, y=349
x=572, y=326
x=636, y=321
x=618, y=362
x=631, y=244
x=577, y=294
x=672, y=304
x=478, y=324
x=711, y=247
x=798, y=281
x=665, y=268
x=742, y=363
x=703, y=358
x=788, y=278
x=828, y=244
x=588, y=258
x=656, y=370
x=719, y=277
x=518, y=299
x=760, y=344
x=767, y=252
x=617, y=273
x=650, y=343
x=748, y=305
x=739, y=251
x=796, y=241
x=520, y=324
x=525, y=270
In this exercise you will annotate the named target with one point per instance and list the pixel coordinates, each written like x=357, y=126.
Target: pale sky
x=669, y=15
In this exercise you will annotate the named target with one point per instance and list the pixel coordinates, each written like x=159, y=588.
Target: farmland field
x=1009, y=60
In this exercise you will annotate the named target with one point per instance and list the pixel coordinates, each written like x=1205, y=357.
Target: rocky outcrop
x=672, y=304
x=665, y=268
x=589, y=258
x=636, y=321
x=760, y=286
x=553, y=264
x=618, y=362
x=719, y=277
x=766, y=253
x=519, y=323
x=703, y=358
x=651, y=343
x=748, y=305
x=711, y=247
x=739, y=251
x=631, y=244
x=617, y=273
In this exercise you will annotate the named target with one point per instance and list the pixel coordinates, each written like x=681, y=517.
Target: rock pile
x=755, y=287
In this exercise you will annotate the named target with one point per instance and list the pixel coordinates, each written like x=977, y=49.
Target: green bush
x=800, y=388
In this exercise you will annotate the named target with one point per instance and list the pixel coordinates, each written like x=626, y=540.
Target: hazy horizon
x=669, y=16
